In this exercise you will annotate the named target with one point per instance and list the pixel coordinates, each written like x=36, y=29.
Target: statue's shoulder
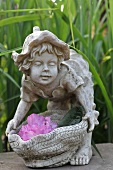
x=77, y=62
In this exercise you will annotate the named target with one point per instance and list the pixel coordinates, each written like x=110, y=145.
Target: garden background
x=87, y=25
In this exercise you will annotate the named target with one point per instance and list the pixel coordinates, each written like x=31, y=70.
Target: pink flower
x=36, y=124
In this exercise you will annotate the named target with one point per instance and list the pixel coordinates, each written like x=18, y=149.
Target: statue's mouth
x=45, y=76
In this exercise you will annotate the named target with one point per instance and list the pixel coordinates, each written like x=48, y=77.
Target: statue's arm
x=22, y=109
x=87, y=102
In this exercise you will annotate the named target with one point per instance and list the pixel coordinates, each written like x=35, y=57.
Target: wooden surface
x=11, y=161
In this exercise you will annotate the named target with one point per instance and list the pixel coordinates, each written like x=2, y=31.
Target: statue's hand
x=92, y=119
x=11, y=126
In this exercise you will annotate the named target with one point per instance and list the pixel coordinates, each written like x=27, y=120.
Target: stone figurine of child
x=53, y=71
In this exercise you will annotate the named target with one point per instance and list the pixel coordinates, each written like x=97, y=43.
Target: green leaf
x=16, y=19
x=111, y=26
x=111, y=15
x=12, y=98
x=10, y=51
x=72, y=117
x=1, y=144
x=28, y=10
x=70, y=21
x=9, y=77
x=93, y=143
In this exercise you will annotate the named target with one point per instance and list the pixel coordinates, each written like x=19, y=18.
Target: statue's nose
x=45, y=67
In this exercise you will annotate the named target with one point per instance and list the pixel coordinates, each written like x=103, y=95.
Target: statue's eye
x=38, y=63
x=52, y=63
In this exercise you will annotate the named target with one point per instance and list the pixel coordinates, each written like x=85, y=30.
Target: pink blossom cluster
x=36, y=124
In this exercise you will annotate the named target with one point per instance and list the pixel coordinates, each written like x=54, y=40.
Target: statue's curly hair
x=25, y=65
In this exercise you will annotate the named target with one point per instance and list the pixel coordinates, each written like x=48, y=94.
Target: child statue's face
x=44, y=69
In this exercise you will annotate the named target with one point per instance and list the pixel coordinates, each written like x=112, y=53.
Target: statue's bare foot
x=82, y=157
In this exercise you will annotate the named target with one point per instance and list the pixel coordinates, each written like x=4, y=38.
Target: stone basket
x=52, y=149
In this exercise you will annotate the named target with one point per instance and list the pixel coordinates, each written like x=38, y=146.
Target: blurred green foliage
x=84, y=24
